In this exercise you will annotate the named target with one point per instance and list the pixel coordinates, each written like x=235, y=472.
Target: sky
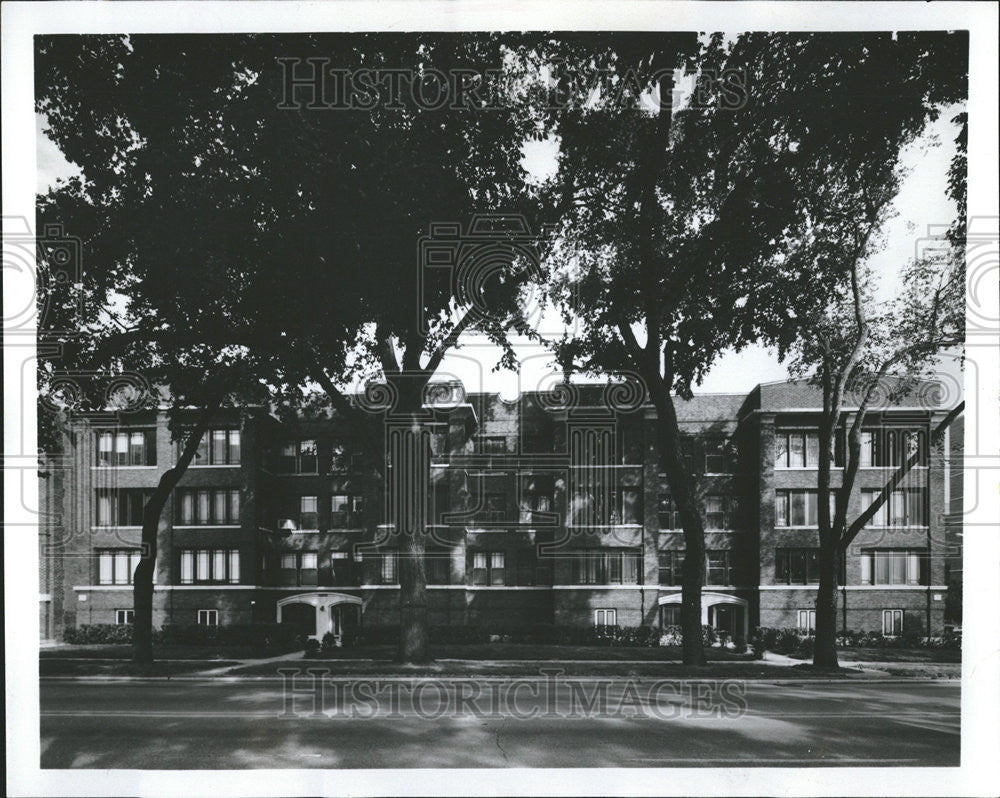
x=922, y=205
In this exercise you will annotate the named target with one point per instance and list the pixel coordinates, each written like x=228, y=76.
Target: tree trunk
x=827, y=599
x=413, y=602
x=681, y=491
x=142, y=588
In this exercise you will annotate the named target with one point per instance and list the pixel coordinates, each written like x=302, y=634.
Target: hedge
x=263, y=637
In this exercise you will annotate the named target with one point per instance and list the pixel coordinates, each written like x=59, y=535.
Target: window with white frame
x=798, y=508
x=116, y=566
x=298, y=457
x=891, y=448
x=121, y=506
x=606, y=566
x=905, y=507
x=216, y=447
x=210, y=565
x=892, y=622
x=126, y=448
x=298, y=568
x=124, y=617
x=717, y=456
x=895, y=567
x=205, y=507
x=489, y=568
x=346, y=510
x=208, y=617
x=807, y=620
x=387, y=567
x=605, y=617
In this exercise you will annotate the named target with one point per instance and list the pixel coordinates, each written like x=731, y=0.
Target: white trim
x=45, y=597
x=320, y=599
x=206, y=526
x=215, y=465
x=496, y=587
x=815, y=586
x=122, y=467
x=97, y=528
x=602, y=587
x=713, y=598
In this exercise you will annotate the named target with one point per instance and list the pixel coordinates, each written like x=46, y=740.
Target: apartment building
x=546, y=510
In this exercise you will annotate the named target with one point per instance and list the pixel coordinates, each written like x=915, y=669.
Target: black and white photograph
x=434, y=399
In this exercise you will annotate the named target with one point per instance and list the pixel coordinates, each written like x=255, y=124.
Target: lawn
x=56, y=666
x=537, y=651
x=164, y=652
x=878, y=654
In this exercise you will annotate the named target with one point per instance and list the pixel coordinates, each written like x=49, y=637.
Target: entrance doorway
x=315, y=615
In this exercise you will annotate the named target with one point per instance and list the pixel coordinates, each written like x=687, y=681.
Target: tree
x=856, y=346
x=226, y=205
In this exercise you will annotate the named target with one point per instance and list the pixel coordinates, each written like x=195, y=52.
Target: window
x=716, y=456
x=671, y=565
x=217, y=447
x=536, y=496
x=667, y=515
x=492, y=444
x=116, y=566
x=124, y=617
x=717, y=512
x=891, y=448
x=346, y=510
x=208, y=617
x=209, y=506
x=122, y=507
x=717, y=563
x=895, y=567
x=807, y=621
x=298, y=568
x=796, y=566
x=126, y=448
x=341, y=461
x=605, y=618
x=298, y=457
x=308, y=517
x=607, y=566
x=670, y=615
x=489, y=568
x=800, y=449
x=210, y=565
x=387, y=567
x=438, y=566
x=892, y=622
x=798, y=507
x=905, y=507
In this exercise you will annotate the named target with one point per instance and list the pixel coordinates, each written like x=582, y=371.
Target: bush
x=98, y=634
x=329, y=641
x=806, y=648
x=312, y=647
x=709, y=637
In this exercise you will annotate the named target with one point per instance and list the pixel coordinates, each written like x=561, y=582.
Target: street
x=456, y=722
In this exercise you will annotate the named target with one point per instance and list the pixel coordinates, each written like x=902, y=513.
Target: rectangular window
x=667, y=515
x=892, y=622
x=892, y=447
x=217, y=447
x=497, y=570
x=438, y=567
x=346, y=510
x=217, y=506
x=387, y=570
x=124, y=617
x=607, y=566
x=796, y=566
x=479, y=568
x=116, y=566
x=208, y=617
x=122, y=507
x=798, y=449
x=671, y=564
x=298, y=457
x=905, y=507
x=603, y=618
x=308, y=516
x=670, y=615
x=718, y=567
x=895, y=567
x=133, y=447
x=807, y=621
x=717, y=512
x=492, y=444
x=716, y=456
x=798, y=508
x=210, y=566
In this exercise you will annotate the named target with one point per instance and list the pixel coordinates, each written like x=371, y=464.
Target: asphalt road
x=217, y=724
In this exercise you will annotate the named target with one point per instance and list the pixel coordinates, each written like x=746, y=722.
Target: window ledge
x=214, y=465
x=122, y=467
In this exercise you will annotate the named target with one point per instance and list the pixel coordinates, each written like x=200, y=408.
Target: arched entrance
x=723, y=611
x=317, y=614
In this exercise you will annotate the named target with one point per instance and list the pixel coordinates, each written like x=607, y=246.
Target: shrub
x=806, y=648
x=312, y=647
x=99, y=633
x=329, y=641
x=740, y=644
